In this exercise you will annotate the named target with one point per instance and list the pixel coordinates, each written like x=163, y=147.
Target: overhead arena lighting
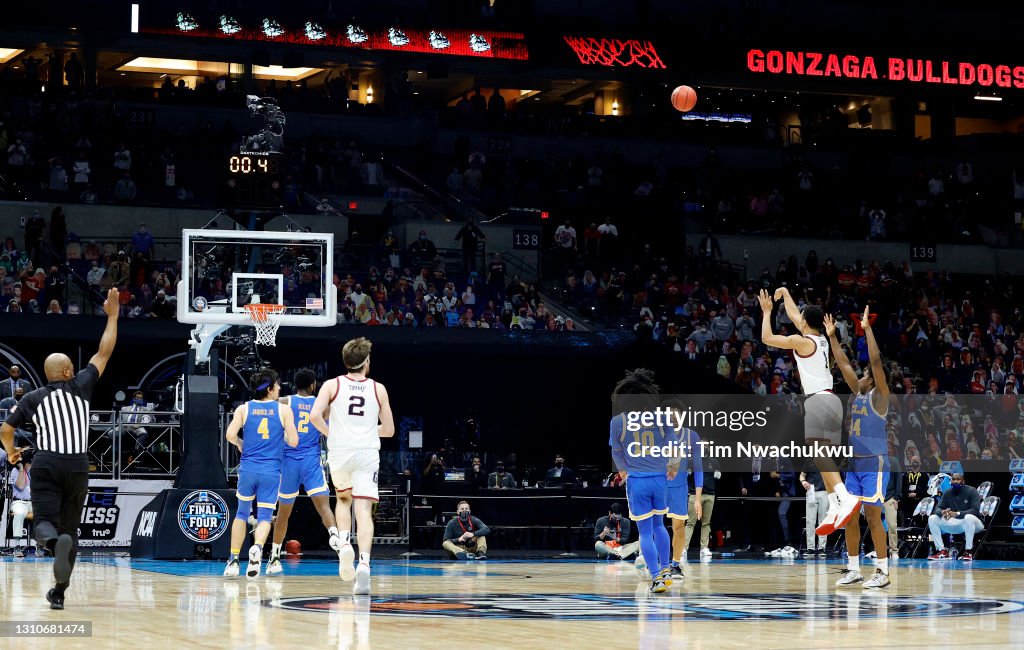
x=7, y=53
x=988, y=98
x=283, y=74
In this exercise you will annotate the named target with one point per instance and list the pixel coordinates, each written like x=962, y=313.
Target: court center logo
x=707, y=607
x=203, y=516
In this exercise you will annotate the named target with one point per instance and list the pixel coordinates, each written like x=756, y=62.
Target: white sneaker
x=231, y=570
x=335, y=543
x=362, y=585
x=877, y=581
x=255, y=560
x=848, y=508
x=705, y=554
x=640, y=565
x=850, y=578
x=346, y=556
x=871, y=556
x=274, y=566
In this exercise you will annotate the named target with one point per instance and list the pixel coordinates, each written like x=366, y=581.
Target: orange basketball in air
x=293, y=547
x=684, y=98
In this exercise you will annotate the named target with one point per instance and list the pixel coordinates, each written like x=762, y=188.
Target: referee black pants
x=59, y=487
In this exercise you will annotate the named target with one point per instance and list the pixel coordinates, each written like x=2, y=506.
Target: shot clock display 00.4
x=253, y=180
x=250, y=164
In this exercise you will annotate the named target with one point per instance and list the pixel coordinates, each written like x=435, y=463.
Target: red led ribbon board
x=611, y=52
x=912, y=70
x=501, y=45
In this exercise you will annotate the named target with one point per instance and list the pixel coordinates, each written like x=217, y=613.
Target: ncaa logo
x=203, y=516
x=199, y=303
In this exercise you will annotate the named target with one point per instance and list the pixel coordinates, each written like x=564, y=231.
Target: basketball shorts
x=355, y=471
x=645, y=496
x=823, y=417
x=262, y=488
x=867, y=479
x=306, y=472
x=676, y=498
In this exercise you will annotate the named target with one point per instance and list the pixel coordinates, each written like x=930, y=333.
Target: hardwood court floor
x=524, y=605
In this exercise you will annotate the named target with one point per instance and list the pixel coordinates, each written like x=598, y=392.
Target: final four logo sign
x=203, y=516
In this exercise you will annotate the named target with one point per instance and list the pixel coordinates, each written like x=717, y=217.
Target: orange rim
x=260, y=312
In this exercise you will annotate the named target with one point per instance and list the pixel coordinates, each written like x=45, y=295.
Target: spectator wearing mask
x=817, y=506
x=9, y=386
x=611, y=535
x=559, y=474
x=423, y=251
x=125, y=190
x=142, y=241
x=722, y=326
x=499, y=479
x=477, y=477
x=959, y=512
x=465, y=536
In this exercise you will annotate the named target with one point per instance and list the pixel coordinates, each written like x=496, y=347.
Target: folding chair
x=984, y=490
x=988, y=510
x=919, y=534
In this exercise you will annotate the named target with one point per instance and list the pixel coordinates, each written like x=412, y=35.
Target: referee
x=59, y=413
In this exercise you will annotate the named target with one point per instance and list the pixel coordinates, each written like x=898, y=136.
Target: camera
x=27, y=455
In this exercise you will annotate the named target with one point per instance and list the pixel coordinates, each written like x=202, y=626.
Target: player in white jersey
x=360, y=415
x=823, y=410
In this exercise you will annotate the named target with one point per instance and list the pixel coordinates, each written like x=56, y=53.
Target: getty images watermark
x=669, y=426
x=983, y=432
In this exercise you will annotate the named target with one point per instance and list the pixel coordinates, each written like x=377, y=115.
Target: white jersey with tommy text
x=815, y=374
x=355, y=412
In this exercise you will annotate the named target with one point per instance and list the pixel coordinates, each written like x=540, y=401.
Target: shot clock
x=253, y=179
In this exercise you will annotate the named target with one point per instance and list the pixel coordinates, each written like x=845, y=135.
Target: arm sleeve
x=450, y=531
x=697, y=461
x=86, y=381
x=480, y=529
x=17, y=416
x=615, y=441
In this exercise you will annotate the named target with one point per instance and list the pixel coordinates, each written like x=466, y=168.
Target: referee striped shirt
x=58, y=413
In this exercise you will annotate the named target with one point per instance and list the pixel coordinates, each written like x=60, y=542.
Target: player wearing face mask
x=465, y=536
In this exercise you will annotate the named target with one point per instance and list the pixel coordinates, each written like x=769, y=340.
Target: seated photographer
x=132, y=417
x=465, y=537
x=611, y=533
x=499, y=479
x=959, y=510
x=21, y=507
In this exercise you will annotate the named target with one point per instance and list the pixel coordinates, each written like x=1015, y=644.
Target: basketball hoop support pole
x=202, y=338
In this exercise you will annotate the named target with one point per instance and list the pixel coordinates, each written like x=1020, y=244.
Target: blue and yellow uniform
x=301, y=466
x=646, y=483
x=677, y=495
x=869, y=473
x=259, y=472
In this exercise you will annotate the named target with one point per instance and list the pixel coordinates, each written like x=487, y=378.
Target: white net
x=266, y=319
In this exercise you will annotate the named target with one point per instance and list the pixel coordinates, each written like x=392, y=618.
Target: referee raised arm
x=59, y=412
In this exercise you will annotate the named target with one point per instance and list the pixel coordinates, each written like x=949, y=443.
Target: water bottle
x=953, y=553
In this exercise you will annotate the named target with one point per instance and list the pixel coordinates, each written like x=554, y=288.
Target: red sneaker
x=966, y=556
x=848, y=508
x=939, y=555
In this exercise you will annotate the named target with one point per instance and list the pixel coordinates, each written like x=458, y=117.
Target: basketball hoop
x=266, y=319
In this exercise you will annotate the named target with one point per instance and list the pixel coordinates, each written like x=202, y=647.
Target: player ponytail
x=264, y=382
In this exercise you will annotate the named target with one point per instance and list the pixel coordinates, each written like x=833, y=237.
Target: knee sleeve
x=244, y=510
x=264, y=514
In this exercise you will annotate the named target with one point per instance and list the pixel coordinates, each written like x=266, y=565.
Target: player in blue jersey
x=265, y=427
x=635, y=452
x=869, y=471
x=676, y=495
x=301, y=467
